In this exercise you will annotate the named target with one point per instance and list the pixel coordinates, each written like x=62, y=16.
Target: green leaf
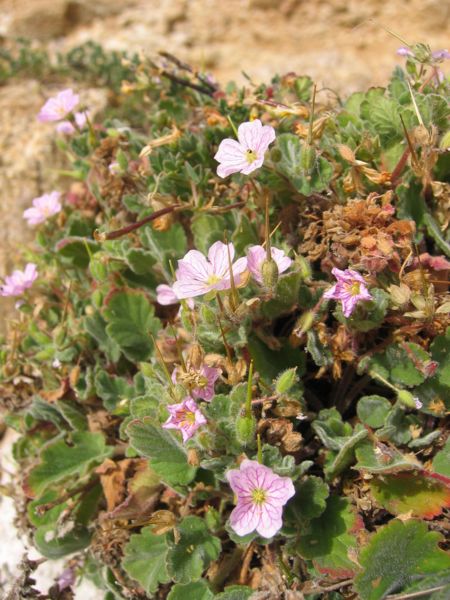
x=269, y=363
x=306, y=182
x=53, y=546
x=130, y=317
x=95, y=325
x=140, y=261
x=384, y=459
x=165, y=246
x=60, y=461
x=346, y=455
x=195, y=550
x=145, y=559
x=328, y=539
x=112, y=389
x=235, y=592
x=77, y=251
x=420, y=494
x=197, y=590
x=373, y=410
x=440, y=351
x=286, y=295
x=167, y=456
x=310, y=500
x=441, y=462
x=397, y=555
x=207, y=229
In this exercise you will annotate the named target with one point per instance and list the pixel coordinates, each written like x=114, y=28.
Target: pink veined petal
x=218, y=257
x=348, y=305
x=237, y=482
x=194, y=263
x=283, y=261
x=31, y=272
x=281, y=490
x=230, y=152
x=355, y=276
x=245, y=518
x=270, y=521
x=250, y=167
x=33, y=216
x=165, y=295
x=224, y=170
x=339, y=274
x=249, y=134
x=331, y=293
x=255, y=258
x=66, y=128
x=189, y=289
x=266, y=138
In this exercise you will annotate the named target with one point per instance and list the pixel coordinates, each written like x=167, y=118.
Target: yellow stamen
x=251, y=156
x=258, y=496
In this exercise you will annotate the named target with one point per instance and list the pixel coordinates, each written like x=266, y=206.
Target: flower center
x=213, y=279
x=186, y=418
x=354, y=288
x=258, y=496
x=250, y=156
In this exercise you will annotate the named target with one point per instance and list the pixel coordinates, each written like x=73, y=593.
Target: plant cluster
x=230, y=363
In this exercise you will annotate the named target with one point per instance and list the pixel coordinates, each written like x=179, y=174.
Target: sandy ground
x=341, y=43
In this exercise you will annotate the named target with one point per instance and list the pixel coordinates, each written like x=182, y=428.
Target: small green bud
x=286, y=380
x=305, y=322
x=269, y=272
x=303, y=267
x=245, y=430
x=276, y=155
x=407, y=399
x=97, y=298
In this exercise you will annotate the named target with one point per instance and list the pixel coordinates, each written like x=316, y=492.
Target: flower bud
x=407, y=399
x=305, y=322
x=269, y=272
x=303, y=267
x=245, y=429
x=286, y=380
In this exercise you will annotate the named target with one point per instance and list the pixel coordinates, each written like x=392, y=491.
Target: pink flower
x=166, y=296
x=19, y=281
x=349, y=289
x=256, y=255
x=58, y=107
x=199, y=381
x=43, y=208
x=261, y=495
x=403, y=51
x=67, y=128
x=197, y=275
x=114, y=168
x=247, y=154
x=443, y=54
x=186, y=417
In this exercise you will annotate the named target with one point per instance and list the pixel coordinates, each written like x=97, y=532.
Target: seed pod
x=269, y=272
x=245, y=429
x=286, y=380
x=407, y=399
